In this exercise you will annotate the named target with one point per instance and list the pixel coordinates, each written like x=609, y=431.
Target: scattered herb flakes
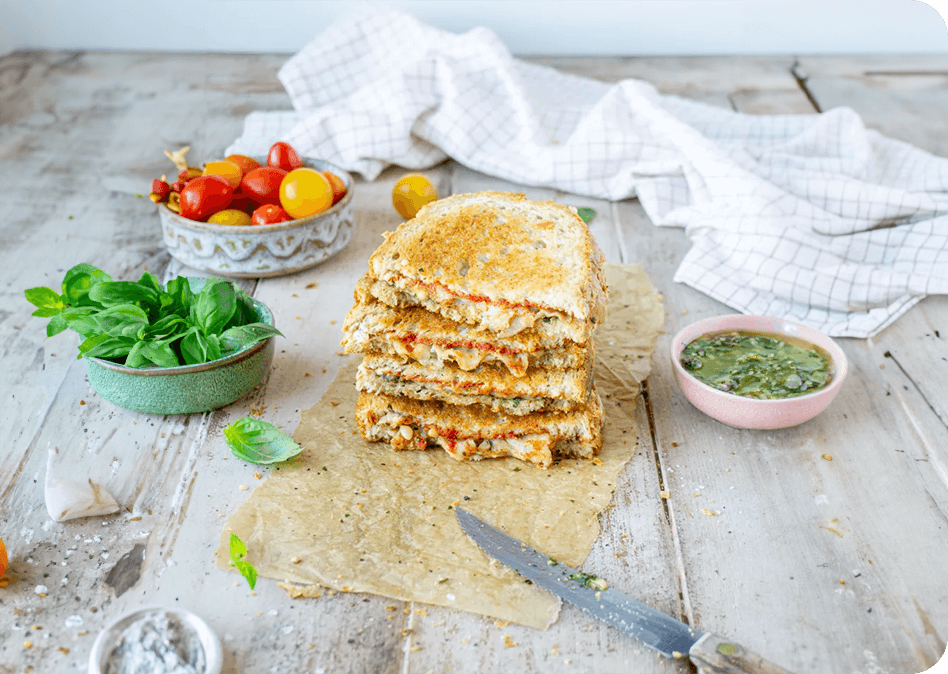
x=259, y=442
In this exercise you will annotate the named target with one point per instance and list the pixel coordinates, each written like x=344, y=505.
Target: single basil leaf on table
x=259, y=442
x=79, y=280
x=112, y=293
x=214, y=306
x=241, y=336
x=48, y=301
x=150, y=353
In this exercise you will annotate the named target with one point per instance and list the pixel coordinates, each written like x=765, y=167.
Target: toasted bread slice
x=475, y=432
x=433, y=340
x=491, y=386
x=497, y=261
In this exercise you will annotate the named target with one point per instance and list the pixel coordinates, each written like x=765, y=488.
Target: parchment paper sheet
x=362, y=518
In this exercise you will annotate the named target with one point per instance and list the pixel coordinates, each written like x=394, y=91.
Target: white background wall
x=570, y=27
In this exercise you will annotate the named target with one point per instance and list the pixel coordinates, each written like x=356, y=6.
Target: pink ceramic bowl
x=742, y=412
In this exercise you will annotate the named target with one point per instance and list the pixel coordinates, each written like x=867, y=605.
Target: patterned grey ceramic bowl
x=262, y=250
x=187, y=389
x=192, y=637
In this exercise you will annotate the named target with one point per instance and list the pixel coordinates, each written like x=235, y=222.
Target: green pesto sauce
x=756, y=365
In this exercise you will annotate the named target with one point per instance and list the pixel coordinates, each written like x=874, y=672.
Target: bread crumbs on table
x=63, y=650
x=82, y=402
x=665, y=494
x=311, y=285
x=307, y=374
x=827, y=457
x=509, y=642
x=258, y=475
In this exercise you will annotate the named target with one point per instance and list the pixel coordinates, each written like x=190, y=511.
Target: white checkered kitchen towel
x=809, y=217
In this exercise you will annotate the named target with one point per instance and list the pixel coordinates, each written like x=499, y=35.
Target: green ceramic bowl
x=187, y=389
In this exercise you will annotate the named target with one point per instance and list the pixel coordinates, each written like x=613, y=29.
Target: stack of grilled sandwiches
x=476, y=320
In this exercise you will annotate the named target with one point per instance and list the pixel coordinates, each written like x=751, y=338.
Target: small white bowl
x=109, y=637
x=743, y=412
x=261, y=251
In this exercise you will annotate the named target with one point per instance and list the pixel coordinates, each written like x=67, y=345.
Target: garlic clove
x=68, y=499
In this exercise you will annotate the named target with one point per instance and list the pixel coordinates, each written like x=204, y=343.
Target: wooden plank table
x=821, y=565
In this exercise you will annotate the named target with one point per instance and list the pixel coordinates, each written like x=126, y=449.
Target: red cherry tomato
x=242, y=202
x=263, y=184
x=269, y=214
x=204, y=196
x=283, y=156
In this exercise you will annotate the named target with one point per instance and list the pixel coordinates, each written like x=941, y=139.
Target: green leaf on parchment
x=237, y=553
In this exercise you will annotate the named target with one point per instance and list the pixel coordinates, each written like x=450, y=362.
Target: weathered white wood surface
x=819, y=565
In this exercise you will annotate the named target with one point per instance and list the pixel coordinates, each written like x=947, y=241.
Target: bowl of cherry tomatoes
x=249, y=217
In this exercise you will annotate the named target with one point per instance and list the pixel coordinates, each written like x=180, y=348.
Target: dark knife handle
x=717, y=655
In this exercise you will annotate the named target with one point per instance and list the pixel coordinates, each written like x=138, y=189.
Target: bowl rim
x=275, y=227
x=263, y=313
x=695, y=330
x=210, y=641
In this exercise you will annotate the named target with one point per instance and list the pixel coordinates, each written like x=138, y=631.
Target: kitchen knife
x=666, y=635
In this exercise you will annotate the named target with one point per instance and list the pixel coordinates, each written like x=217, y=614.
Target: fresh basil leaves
x=141, y=324
x=259, y=441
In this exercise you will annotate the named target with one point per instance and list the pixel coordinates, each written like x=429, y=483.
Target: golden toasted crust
x=500, y=248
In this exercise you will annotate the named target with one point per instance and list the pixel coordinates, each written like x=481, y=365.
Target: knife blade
x=665, y=634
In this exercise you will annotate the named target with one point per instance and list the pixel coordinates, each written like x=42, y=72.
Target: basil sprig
x=259, y=441
x=141, y=324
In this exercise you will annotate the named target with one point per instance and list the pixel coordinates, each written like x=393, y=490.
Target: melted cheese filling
x=466, y=358
x=533, y=447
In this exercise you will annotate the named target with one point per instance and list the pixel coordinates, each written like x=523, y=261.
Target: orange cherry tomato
x=283, y=156
x=225, y=169
x=4, y=560
x=269, y=214
x=230, y=216
x=246, y=164
x=411, y=193
x=337, y=184
x=305, y=192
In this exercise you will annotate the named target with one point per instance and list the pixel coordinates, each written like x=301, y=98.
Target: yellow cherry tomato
x=226, y=169
x=232, y=217
x=305, y=192
x=411, y=193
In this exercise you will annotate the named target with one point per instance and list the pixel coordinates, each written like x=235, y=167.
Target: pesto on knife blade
x=756, y=365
